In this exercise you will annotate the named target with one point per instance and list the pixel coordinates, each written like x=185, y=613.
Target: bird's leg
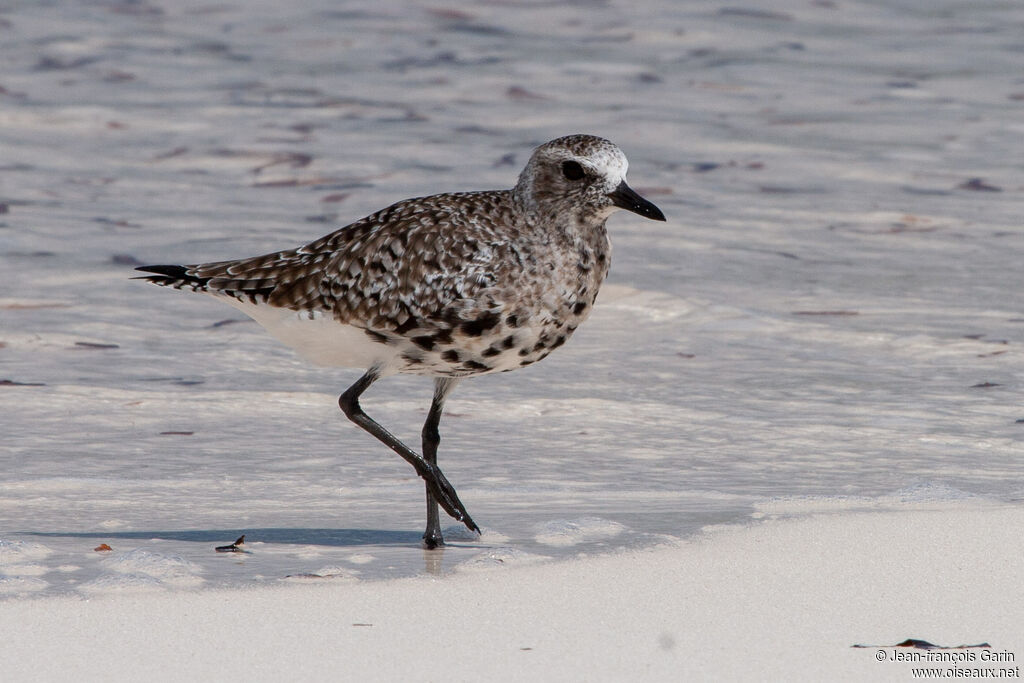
x=442, y=491
x=432, y=537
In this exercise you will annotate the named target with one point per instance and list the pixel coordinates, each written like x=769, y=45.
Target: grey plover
x=448, y=286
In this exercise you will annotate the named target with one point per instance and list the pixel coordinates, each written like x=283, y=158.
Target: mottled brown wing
x=420, y=260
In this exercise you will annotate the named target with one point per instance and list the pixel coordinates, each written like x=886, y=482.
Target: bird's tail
x=178, y=277
x=233, y=279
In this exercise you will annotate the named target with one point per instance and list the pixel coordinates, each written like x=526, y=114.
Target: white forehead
x=609, y=162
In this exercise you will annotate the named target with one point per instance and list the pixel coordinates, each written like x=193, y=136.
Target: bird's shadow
x=295, y=536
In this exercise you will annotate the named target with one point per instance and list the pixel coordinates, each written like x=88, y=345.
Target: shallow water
x=833, y=309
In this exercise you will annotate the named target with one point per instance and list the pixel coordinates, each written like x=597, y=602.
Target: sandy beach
x=792, y=425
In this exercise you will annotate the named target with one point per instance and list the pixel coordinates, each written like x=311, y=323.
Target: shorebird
x=448, y=286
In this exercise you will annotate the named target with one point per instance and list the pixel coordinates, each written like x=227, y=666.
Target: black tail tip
x=171, y=276
x=180, y=272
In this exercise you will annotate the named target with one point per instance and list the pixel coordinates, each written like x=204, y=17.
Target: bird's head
x=581, y=175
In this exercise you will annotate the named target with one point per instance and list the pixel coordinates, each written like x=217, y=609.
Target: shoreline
x=779, y=598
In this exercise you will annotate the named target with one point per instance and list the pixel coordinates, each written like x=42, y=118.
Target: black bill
x=626, y=198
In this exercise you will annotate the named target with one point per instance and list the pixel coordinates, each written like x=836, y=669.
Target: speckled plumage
x=449, y=285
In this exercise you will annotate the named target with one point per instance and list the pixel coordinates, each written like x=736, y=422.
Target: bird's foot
x=433, y=539
x=444, y=494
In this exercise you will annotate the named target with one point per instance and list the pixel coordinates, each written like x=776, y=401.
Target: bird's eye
x=572, y=170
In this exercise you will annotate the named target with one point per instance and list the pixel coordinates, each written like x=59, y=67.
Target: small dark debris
x=177, y=151
x=517, y=92
x=118, y=76
x=318, y=181
x=235, y=547
x=750, y=13
x=984, y=385
x=705, y=166
x=58, y=64
x=979, y=185
x=32, y=254
x=475, y=130
x=12, y=383
x=361, y=624
x=329, y=217
x=505, y=160
x=12, y=93
x=290, y=159
x=925, y=645
x=95, y=345
x=336, y=197
x=115, y=223
x=450, y=14
x=125, y=260
x=229, y=321
x=176, y=433
x=102, y=548
x=4, y=207
x=686, y=355
x=279, y=140
x=289, y=182
x=1020, y=421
